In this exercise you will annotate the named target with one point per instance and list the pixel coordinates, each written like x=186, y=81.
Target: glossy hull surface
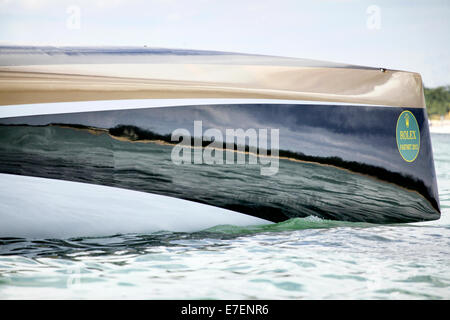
x=335, y=161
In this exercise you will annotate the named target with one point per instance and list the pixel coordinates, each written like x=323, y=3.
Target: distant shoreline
x=440, y=126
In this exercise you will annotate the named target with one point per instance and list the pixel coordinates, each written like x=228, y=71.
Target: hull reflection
x=335, y=161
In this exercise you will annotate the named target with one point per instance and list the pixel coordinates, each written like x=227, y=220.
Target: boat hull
x=287, y=160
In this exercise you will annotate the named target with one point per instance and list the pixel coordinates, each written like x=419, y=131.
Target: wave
x=309, y=222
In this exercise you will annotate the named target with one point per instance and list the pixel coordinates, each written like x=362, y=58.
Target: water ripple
x=296, y=259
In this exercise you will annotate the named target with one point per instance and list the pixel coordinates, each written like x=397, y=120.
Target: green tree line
x=437, y=100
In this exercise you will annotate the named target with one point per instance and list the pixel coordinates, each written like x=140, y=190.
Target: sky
x=407, y=35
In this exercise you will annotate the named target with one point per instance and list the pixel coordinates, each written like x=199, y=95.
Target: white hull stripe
x=105, y=105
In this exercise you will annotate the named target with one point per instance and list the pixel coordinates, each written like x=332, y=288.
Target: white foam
x=33, y=207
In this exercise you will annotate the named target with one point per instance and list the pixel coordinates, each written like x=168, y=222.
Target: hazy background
x=403, y=34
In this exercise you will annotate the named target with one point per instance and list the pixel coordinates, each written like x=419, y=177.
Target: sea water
x=302, y=258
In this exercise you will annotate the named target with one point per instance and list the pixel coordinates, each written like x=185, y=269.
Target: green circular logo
x=408, y=136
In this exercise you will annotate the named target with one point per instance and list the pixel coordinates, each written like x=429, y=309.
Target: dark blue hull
x=341, y=162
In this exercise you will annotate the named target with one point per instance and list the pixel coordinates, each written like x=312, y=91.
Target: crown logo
x=407, y=120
